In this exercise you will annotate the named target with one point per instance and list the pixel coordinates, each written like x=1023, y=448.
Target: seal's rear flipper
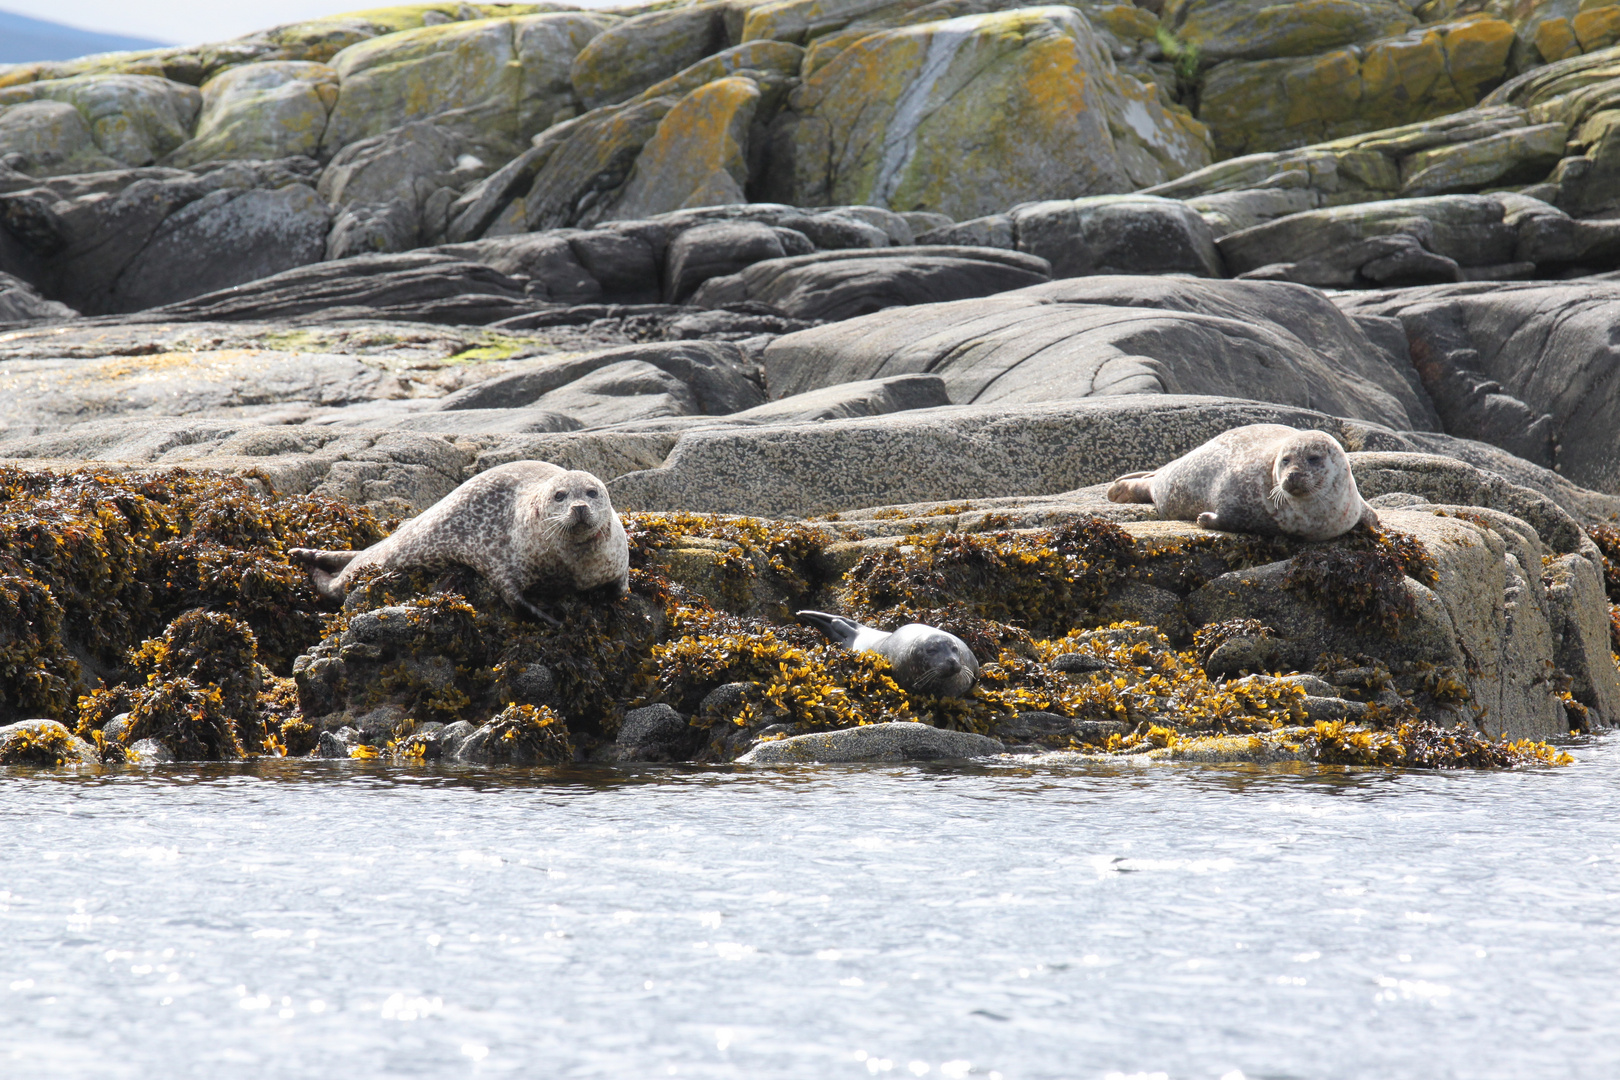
x=324, y=568
x=836, y=627
x=1133, y=487
x=332, y=562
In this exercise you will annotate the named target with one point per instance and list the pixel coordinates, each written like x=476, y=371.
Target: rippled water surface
x=336, y=920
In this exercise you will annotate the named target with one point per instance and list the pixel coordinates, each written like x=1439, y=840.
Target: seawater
x=334, y=920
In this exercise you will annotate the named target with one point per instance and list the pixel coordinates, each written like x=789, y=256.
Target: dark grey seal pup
x=924, y=659
x=1261, y=478
x=523, y=525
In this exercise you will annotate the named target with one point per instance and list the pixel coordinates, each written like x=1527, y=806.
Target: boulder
x=656, y=733
x=722, y=248
x=495, y=81
x=44, y=743
x=1098, y=336
x=134, y=119
x=1117, y=234
x=48, y=138
x=645, y=49
x=1526, y=366
x=547, y=260
x=261, y=111
x=697, y=156
x=896, y=741
x=846, y=284
x=971, y=115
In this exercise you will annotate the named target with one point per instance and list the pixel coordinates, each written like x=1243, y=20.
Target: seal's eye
x=560, y=496
x=1316, y=459
x=591, y=494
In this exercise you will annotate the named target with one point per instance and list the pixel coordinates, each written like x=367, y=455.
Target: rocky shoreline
x=777, y=275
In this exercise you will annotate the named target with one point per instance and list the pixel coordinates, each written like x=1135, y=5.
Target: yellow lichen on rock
x=698, y=155
x=500, y=80
x=967, y=116
x=1280, y=104
x=261, y=111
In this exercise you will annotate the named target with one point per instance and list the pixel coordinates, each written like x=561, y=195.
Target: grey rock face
x=124, y=241
x=724, y=247
x=21, y=304
x=1396, y=242
x=417, y=285
x=393, y=192
x=707, y=377
x=1528, y=367
x=873, y=397
x=898, y=741
x=842, y=285
x=38, y=396
x=1106, y=336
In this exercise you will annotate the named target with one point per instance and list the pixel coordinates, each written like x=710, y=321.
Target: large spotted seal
x=924, y=658
x=527, y=524
x=1262, y=478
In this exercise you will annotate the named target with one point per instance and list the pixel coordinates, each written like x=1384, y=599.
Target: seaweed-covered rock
x=99, y=564
x=43, y=743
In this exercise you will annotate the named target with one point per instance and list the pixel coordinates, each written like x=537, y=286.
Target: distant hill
x=23, y=39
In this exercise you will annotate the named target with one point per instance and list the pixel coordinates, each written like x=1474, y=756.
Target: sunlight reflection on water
x=303, y=919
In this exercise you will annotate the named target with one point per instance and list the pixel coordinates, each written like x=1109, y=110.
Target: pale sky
x=189, y=22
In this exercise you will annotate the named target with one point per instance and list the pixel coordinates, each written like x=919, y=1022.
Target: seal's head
x=930, y=661
x=1306, y=464
x=575, y=505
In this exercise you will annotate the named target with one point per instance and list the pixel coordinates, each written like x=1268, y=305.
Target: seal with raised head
x=1260, y=478
x=527, y=524
x=924, y=658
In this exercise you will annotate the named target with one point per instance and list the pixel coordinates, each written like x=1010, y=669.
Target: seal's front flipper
x=1133, y=487
x=1369, y=517
x=839, y=629
x=1208, y=520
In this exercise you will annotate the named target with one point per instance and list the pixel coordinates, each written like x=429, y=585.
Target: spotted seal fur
x=527, y=524
x=924, y=658
x=1261, y=478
